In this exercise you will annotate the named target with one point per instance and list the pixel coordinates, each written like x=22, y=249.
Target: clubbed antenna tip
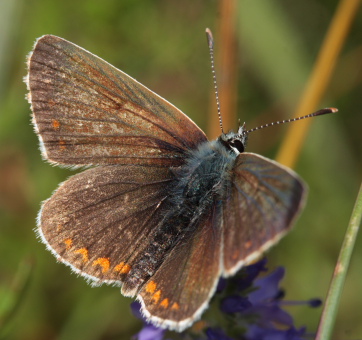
x=324, y=111
x=210, y=38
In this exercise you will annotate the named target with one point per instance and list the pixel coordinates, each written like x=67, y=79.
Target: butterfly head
x=235, y=141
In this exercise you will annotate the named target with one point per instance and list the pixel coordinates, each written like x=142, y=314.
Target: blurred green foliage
x=162, y=44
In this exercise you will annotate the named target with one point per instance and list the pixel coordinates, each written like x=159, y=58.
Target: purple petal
x=221, y=285
x=267, y=287
x=234, y=304
x=271, y=314
x=136, y=310
x=150, y=332
x=250, y=273
x=255, y=269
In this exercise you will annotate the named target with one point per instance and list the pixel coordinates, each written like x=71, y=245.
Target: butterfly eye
x=237, y=144
x=234, y=141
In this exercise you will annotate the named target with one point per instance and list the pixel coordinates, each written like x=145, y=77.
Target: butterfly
x=161, y=212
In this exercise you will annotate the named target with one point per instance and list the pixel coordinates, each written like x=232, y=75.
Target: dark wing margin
x=180, y=290
x=97, y=221
x=87, y=112
x=264, y=200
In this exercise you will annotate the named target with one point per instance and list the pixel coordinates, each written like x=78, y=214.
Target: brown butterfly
x=164, y=212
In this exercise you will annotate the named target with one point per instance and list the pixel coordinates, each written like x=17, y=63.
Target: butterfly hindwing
x=86, y=111
x=180, y=290
x=99, y=220
x=264, y=199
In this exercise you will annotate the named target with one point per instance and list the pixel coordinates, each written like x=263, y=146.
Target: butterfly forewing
x=88, y=112
x=181, y=288
x=99, y=220
x=263, y=200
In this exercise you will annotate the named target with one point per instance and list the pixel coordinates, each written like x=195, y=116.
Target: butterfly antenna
x=210, y=42
x=317, y=113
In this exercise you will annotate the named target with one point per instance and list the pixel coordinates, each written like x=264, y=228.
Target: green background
x=162, y=44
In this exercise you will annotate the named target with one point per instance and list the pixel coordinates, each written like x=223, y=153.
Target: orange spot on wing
x=156, y=297
x=55, y=124
x=151, y=287
x=175, y=306
x=248, y=244
x=84, y=253
x=62, y=145
x=126, y=269
x=103, y=262
x=164, y=303
x=122, y=268
x=119, y=267
x=68, y=243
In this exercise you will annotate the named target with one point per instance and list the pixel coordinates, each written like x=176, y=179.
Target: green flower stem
x=335, y=290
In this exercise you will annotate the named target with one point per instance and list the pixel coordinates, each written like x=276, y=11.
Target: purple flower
x=234, y=304
x=259, y=312
x=248, y=274
x=267, y=287
x=150, y=332
x=265, y=301
x=250, y=308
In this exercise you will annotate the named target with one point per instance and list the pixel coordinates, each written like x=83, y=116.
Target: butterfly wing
x=99, y=220
x=87, y=112
x=180, y=290
x=264, y=199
